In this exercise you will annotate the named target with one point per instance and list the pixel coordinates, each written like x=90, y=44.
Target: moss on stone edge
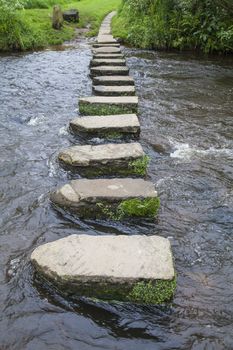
x=139, y=166
x=134, y=207
x=104, y=109
x=153, y=292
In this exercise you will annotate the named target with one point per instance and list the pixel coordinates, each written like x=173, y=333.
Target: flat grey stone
x=127, y=123
x=111, y=155
x=104, y=105
x=98, y=45
x=80, y=195
x=108, y=56
x=106, y=39
x=107, y=49
x=102, y=90
x=109, y=70
x=98, y=266
x=113, y=80
x=108, y=62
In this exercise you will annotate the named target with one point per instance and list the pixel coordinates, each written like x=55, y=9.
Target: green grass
x=32, y=28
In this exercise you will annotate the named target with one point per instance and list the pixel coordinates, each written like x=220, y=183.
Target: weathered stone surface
x=89, y=198
x=108, y=62
x=127, y=123
x=97, y=45
x=114, y=90
x=109, y=70
x=108, y=158
x=71, y=15
x=57, y=19
x=102, y=105
x=106, y=39
x=108, y=56
x=107, y=267
x=113, y=80
x=107, y=49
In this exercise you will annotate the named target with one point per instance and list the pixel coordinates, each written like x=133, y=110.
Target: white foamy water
x=63, y=131
x=185, y=152
x=36, y=120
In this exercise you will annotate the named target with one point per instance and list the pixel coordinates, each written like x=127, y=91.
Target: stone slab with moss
x=108, y=56
x=113, y=80
x=114, y=199
x=109, y=70
x=112, y=158
x=101, y=90
x=123, y=268
x=97, y=45
x=122, y=124
x=108, y=62
x=106, y=105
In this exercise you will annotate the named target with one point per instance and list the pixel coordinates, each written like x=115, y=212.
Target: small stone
x=108, y=267
x=105, y=105
x=113, y=80
x=71, y=15
x=109, y=124
x=109, y=70
x=114, y=90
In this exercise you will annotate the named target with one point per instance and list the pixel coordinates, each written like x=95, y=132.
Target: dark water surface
x=186, y=113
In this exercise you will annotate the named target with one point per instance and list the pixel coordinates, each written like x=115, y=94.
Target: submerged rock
x=127, y=268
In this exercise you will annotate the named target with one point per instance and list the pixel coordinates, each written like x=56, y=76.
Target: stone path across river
x=135, y=268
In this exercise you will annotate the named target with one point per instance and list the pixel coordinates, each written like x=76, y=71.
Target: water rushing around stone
x=187, y=129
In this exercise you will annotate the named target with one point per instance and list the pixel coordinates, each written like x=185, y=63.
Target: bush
x=205, y=25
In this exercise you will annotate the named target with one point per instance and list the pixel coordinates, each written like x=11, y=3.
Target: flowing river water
x=186, y=114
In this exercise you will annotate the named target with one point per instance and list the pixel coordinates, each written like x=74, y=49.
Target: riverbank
x=201, y=26
x=28, y=29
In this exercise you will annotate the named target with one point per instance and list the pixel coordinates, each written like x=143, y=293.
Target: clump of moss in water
x=153, y=293
x=139, y=166
x=102, y=109
x=131, y=208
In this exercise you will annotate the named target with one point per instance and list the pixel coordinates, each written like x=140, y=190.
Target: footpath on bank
x=135, y=268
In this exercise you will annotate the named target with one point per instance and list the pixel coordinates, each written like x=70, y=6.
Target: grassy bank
x=29, y=27
x=203, y=25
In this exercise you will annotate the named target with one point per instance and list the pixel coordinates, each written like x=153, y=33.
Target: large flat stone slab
x=108, y=56
x=113, y=80
x=108, y=62
x=106, y=39
x=102, y=105
x=107, y=50
x=109, y=70
x=110, y=126
x=120, y=267
x=107, y=159
x=102, y=90
x=97, y=45
x=113, y=199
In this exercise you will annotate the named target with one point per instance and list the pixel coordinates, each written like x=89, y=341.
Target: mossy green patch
x=134, y=207
x=139, y=166
x=153, y=292
x=105, y=109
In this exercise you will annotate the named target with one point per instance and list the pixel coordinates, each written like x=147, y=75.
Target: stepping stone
x=108, y=56
x=110, y=126
x=125, y=268
x=101, y=105
x=113, y=80
x=106, y=39
x=102, y=90
x=113, y=199
x=107, y=49
x=112, y=158
x=97, y=45
x=108, y=62
x=109, y=70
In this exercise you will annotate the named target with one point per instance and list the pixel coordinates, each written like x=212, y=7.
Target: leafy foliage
x=205, y=25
